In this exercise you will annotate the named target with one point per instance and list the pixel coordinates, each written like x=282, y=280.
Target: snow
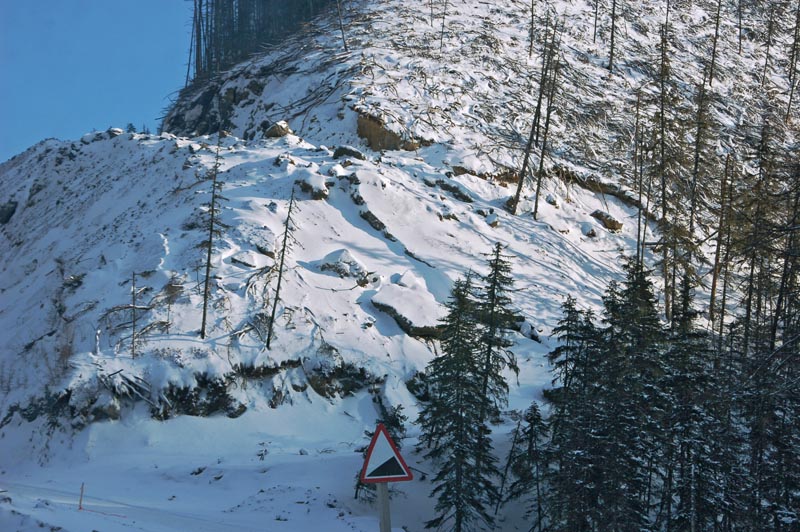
x=140, y=204
x=94, y=211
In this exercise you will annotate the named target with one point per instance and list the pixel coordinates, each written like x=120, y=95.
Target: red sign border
x=382, y=429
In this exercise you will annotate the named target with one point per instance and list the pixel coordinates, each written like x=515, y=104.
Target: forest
x=225, y=32
x=649, y=425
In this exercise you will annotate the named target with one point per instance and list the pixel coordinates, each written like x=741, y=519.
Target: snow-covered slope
x=377, y=239
x=378, y=253
x=469, y=79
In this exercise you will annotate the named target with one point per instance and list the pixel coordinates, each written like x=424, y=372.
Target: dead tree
x=214, y=228
x=287, y=228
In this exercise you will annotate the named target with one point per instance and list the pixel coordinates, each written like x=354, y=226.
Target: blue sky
x=70, y=66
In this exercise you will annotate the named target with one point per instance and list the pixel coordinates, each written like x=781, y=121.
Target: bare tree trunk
x=444, y=18
x=133, y=314
x=280, y=270
x=533, y=24
x=524, y=171
x=739, y=21
x=613, y=34
x=770, y=27
x=637, y=176
x=714, y=47
x=662, y=170
x=720, y=232
x=550, y=98
x=596, y=12
x=546, y=65
x=341, y=24
x=211, y=228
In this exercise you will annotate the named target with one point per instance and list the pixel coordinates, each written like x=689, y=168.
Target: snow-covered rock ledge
x=410, y=304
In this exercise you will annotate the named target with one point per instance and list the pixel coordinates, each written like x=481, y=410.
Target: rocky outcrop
x=7, y=210
x=608, y=221
x=379, y=137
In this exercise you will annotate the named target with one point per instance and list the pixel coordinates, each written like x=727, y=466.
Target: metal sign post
x=383, y=464
x=383, y=507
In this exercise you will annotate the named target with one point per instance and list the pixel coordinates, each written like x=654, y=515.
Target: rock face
x=348, y=151
x=7, y=210
x=277, y=130
x=410, y=304
x=379, y=137
x=342, y=263
x=608, y=221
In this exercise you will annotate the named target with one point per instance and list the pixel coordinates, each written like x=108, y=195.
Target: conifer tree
x=692, y=422
x=528, y=461
x=628, y=401
x=452, y=431
x=574, y=473
x=496, y=318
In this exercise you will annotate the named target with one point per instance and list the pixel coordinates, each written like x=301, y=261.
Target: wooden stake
x=383, y=505
x=80, y=502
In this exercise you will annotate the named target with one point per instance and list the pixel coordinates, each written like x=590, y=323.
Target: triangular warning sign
x=383, y=462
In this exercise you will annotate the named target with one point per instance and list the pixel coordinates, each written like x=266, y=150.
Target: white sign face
x=383, y=462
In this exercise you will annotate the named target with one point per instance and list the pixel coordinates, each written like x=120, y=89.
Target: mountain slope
x=402, y=163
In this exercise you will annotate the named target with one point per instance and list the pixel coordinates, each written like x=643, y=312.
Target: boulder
x=7, y=210
x=379, y=137
x=348, y=151
x=342, y=263
x=410, y=304
x=277, y=130
x=608, y=221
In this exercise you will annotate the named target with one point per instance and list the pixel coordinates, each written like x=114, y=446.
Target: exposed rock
x=608, y=221
x=410, y=304
x=379, y=137
x=408, y=327
x=552, y=200
x=591, y=233
x=114, y=132
x=342, y=263
x=277, y=130
x=348, y=151
x=458, y=191
x=597, y=185
x=7, y=210
x=315, y=185
x=377, y=224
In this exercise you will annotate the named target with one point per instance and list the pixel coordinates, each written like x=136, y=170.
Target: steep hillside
x=405, y=151
x=469, y=79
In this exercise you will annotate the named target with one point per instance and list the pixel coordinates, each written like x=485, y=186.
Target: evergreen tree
x=452, y=430
x=573, y=477
x=628, y=402
x=694, y=462
x=528, y=464
x=496, y=318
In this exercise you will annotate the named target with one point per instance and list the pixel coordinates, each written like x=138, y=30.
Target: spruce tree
x=496, y=318
x=528, y=464
x=628, y=401
x=452, y=431
x=574, y=473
